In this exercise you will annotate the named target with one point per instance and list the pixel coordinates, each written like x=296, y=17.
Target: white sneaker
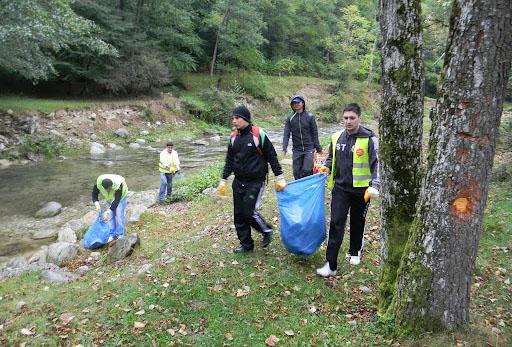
x=355, y=260
x=347, y=256
x=110, y=239
x=325, y=271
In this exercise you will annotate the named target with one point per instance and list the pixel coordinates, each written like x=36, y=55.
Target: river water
x=25, y=188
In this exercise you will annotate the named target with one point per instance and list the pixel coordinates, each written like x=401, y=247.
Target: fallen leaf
x=313, y=309
x=183, y=329
x=139, y=325
x=271, y=340
x=171, y=332
x=234, y=262
x=228, y=336
x=26, y=332
x=140, y=313
x=289, y=332
x=165, y=285
x=66, y=317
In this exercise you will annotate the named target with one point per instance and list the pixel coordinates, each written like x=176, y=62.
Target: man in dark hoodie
x=353, y=165
x=302, y=125
x=249, y=153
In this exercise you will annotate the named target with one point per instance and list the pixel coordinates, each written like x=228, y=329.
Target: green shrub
x=252, y=84
x=502, y=173
x=504, y=134
x=191, y=187
x=213, y=105
x=40, y=145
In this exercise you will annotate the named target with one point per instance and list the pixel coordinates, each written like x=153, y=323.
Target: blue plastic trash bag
x=98, y=234
x=302, y=210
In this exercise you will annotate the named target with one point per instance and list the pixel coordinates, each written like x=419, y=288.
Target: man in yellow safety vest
x=169, y=164
x=353, y=165
x=114, y=190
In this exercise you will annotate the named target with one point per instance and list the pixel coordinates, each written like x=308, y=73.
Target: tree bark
x=400, y=132
x=433, y=288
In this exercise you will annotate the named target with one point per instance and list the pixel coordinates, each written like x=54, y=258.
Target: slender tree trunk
x=433, y=288
x=370, y=68
x=138, y=13
x=217, y=39
x=400, y=132
x=121, y=9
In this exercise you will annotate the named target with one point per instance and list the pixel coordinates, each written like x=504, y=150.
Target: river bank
x=184, y=286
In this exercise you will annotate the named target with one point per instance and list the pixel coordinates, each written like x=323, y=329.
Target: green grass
x=276, y=86
x=21, y=104
x=207, y=296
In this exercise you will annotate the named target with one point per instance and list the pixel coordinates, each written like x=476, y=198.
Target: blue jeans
x=165, y=185
x=118, y=220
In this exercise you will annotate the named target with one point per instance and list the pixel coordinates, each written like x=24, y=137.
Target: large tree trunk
x=433, y=289
x=400, y=132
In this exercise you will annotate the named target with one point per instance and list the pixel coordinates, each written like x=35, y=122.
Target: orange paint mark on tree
x=464, y=203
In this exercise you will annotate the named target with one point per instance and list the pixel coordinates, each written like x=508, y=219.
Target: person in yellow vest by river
x=169, y=164
x=114, y=190
x=353, y=165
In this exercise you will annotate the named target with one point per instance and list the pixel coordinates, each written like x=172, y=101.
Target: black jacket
x=244, y=160
x=344, y=152
x=304, y=132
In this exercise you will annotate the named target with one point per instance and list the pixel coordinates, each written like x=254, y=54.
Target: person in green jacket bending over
x=114, y=190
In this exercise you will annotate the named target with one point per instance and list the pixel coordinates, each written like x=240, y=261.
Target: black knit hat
x=243, y=112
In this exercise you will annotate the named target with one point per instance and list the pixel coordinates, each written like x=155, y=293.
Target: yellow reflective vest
x=361, y=173
x=116, y=183
x=169, y=159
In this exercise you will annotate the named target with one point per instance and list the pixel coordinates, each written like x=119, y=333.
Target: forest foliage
x=136, y=46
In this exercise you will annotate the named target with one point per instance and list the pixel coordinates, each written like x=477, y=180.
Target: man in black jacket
x=302, y=125
x=353, y=165
x=249, y=153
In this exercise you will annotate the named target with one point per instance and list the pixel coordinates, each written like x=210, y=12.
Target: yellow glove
x=370, y=193
x=106, y=215
x=280, y=183
x=221, y=188
x=324, y=169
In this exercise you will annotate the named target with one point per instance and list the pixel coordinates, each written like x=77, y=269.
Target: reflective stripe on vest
x=163, y=169
x=116, y=183
x=334, y=141
x=361, y=173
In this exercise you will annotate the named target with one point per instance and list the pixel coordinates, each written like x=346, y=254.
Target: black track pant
x=246, y=201
x=343, y=201
x=302, y=163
